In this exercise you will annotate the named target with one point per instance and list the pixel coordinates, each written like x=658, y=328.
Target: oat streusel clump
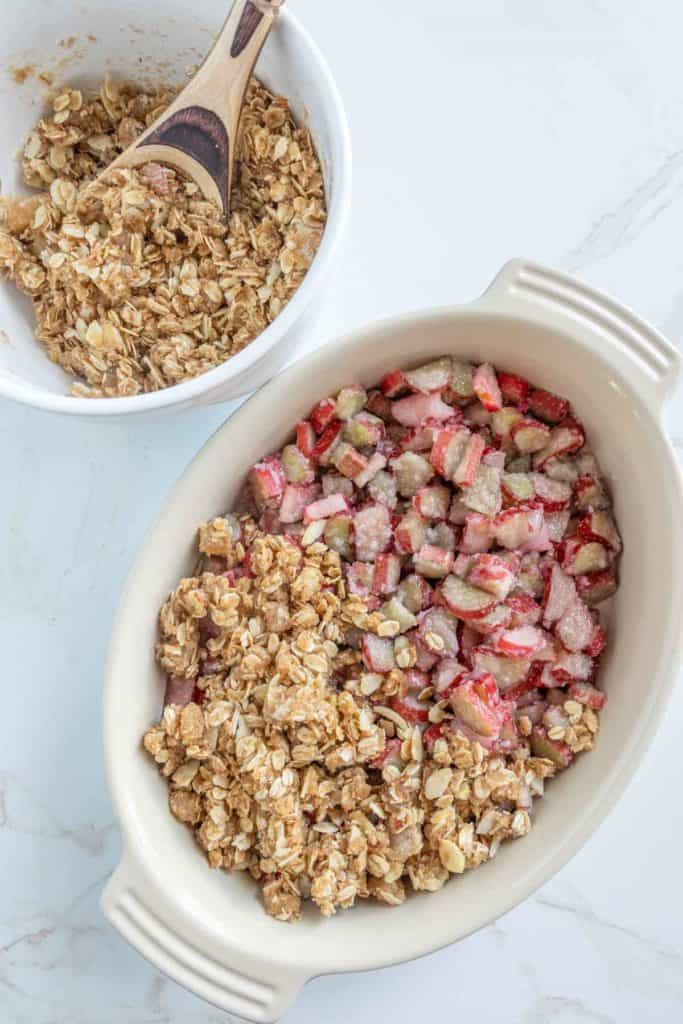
x=282, y=754
x=139, y=283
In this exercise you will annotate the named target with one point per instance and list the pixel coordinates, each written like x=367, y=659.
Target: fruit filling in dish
x=389, y=648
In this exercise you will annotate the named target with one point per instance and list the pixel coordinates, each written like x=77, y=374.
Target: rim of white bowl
x=19, y=390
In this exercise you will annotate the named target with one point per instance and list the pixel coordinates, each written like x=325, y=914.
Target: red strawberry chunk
x=521, y=642
x=295, y=500
x=372, y=531
x=305, y=438
x=433, y=562
x=325, y=508
x=514, y=389
x=486, y=388
x=377, y=653
x=393, y=383
x=415, y=409
x=575, y=628
x=492, y=573
x=466, y=472
x=547, y=406
x=584, y=693
x=267, y=481
x=432, y=734
x=327, y=442
x=323, y=414
x=387, y=574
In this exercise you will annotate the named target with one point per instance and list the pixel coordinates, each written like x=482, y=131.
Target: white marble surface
x=481, y=131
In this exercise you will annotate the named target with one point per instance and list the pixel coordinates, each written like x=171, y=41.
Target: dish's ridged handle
x=177, y=950
x=647, y=359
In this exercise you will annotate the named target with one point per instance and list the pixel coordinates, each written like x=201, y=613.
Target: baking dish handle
x=244, y=988
x=650, y=363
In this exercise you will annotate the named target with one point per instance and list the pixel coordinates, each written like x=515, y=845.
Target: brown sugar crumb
x=287, y=760
x=138, y=282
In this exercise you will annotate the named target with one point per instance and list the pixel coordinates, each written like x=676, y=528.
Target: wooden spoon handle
x=198, y=131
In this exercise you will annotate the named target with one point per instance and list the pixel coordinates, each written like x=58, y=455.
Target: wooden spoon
x=197, y=133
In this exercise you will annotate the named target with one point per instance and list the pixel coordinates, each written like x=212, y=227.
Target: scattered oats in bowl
x=374, y=670
x=138, y=282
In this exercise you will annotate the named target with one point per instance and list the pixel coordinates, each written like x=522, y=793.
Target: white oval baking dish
x=207, y=930
x=159, y=41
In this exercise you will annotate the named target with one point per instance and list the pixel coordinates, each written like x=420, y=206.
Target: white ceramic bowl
x=207, y=929
x=159, y=40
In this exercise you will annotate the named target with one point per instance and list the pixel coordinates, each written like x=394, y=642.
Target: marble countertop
x=481, y=131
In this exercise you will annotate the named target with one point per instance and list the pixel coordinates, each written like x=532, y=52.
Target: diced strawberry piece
x=377, y=653
x=359, y=577
x=267, y=481
x=372, y=531
x=178, y=691
x=410, y=708
x=437, y=622
x=432, y=734
x=364, y=430
x=498, y=618
x=374, y=465
x=589, y=493
x=599, y=526
x=447, y=449
x=466, y=472
x=464, y=600
x=556, y=524
x=579, y=556
x=382, y=487
x=584, y=693
x=492, y=573
x=390, y=755
x=349, y=461
x=514, y=389
x=478, y=533
x=393, y=383
x=598, y=642
x=547, y=406
x=554, y=750
x=327, y=442
x=522, y=642
x=560, y=594
x=597, y=586
x=387, y=574
x=305, y=438
x=325, y=508
x=529, y=435
x=379, y=405
x=508, y=672
x=485, y=384
x=432, y=376
x=503, y=421
x=432, y=502
x=433, y=562
x=409, y=535
x=566, y=438
x=477, y=704
x=323, y=414
x=415, y=409
x=570, y=667
x=446, y=676
x=415, y=593
x=575, y=628
x=350, y=401
x=295, y=500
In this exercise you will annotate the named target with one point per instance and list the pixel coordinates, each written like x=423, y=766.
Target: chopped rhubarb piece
x=598, y=642
x=560, y=594
x=324, y=508
x=419, y=439
x=377, y=653
x=438, y=630
x=305, y=438
x=584, y=693
x=498, y=618
x=477, y=704
x=507, y=672
x=337, y=536
x=503, y=422
x=464, y=600
x=514, y=389
x=334, y=483
x=372, y=531
x=431, y=734
x=397, y=612
x=447, y=449
x=383, y=487
x=461, y=389
x=415, y=409
x=600, y=526
x=475, y=415
x=432, y=502
x=521, y=642
x=375, y=464
x=556, y=524
x=494, y=457
x=390, y=755
x=410, y=533
x=589, y=493
x=412, y=472
x=597, y=586
x=323, y=414
x=529, y=435
x=530, y=578
x=327, y=442
x=178, y=691
x=492, y=573
x=426, y=659
x=415, y=593
x=433, y=562
x=575, y=628
x=295, y=500
x=387, y=573
x=517, y=488
x=566, y=438
x=554, y=750
x=297, y=468
x=410, y=708
x=485, y=385
x=359, y=577
x=393, y=383
x=515, y=527
x=579, y=557
x=364, y=430
x=441, y=535
x=547, y=406
x=446, y=676
x=570, y=667
x=268, y=482
x=478, y=533
x=350, y=401
x=525, y=611
x=484, y=495
x=432, y=376
x=349, y=461
x=466, y=472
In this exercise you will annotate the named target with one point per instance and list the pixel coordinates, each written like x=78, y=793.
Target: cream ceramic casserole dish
x=208, y=930
x=157, y=42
